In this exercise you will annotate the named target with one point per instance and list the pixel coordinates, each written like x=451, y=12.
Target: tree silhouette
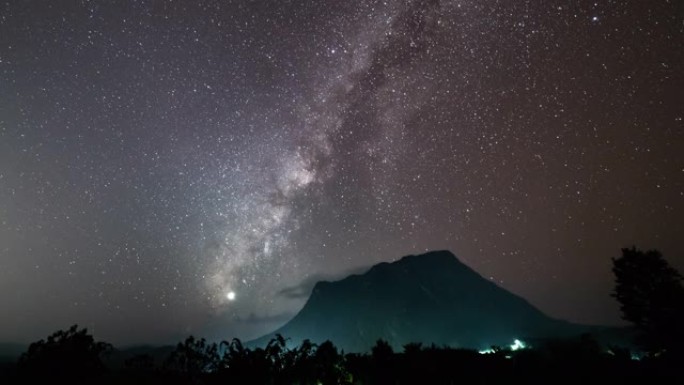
x=297, y=364
x=194, y=358
x=329, y=365
x=236, y=361
x=258, y=366
x=651, y=297
x=382, y=358
x=70, y=356
x=382, y=350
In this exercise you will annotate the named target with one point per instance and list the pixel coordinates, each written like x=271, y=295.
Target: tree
x=651, y=297
x=330, y=365
x=194, y=358
x=382, y=350
x=71, y=356
x=382, y=358
x=236, y=362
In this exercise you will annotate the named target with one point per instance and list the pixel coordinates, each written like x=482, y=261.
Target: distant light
x=517, y=345
x=231, y=296
x=595, y=19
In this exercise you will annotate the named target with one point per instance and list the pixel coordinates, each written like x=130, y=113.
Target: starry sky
x=177, y=167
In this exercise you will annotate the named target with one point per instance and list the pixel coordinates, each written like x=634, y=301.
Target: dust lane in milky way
x=172, y=167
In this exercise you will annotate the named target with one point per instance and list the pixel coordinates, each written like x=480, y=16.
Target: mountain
x=428, y=298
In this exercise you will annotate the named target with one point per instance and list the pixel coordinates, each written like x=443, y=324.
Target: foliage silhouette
x=194, y=361
x=651, y=296
x=193, y=358
x=71, y=356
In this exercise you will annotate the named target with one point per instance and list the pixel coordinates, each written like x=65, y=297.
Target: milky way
x=171, y=167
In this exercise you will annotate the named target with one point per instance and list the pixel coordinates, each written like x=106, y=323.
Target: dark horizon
x=172, y=168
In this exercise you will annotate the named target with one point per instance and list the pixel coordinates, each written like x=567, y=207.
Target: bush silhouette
x=72, y=356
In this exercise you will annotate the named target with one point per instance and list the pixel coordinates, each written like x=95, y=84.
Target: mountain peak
x=430, y=260
x=437, y=256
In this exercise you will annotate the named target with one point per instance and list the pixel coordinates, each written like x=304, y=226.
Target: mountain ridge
x=428, y=298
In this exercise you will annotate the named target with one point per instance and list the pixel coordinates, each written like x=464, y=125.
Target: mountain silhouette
x=428, y=298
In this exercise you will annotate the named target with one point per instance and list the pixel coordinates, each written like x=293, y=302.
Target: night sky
x=177, y=167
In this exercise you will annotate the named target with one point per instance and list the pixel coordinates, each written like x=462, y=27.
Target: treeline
x=74, y=357
x=649, y=290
